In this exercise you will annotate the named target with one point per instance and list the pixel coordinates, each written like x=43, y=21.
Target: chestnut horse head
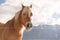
x=25, y=17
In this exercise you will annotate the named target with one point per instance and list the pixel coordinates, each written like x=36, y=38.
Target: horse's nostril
x=29, y=25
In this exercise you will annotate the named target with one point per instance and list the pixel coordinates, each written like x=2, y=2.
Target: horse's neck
x=19, y=27
x=15, y=25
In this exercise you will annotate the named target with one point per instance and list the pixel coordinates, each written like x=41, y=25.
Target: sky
x=44, y=11
x=2, y=1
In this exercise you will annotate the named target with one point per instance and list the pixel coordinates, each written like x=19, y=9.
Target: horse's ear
x=23, y=6
x=30, y=6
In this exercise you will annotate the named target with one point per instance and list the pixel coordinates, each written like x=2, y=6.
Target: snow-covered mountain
x=43, y=32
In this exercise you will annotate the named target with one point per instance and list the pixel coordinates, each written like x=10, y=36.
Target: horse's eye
x=31, y=14
x=24, y=14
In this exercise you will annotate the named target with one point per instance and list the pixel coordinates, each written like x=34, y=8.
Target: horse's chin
x=28, y=28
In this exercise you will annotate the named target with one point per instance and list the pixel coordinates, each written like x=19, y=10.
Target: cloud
x=7, y=11
x=43, y=11
x=56, y=15
x=46, y=10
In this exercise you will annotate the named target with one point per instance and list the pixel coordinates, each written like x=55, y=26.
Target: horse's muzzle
x=28, y=26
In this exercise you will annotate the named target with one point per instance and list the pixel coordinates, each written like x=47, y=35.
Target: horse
x=14, y=28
